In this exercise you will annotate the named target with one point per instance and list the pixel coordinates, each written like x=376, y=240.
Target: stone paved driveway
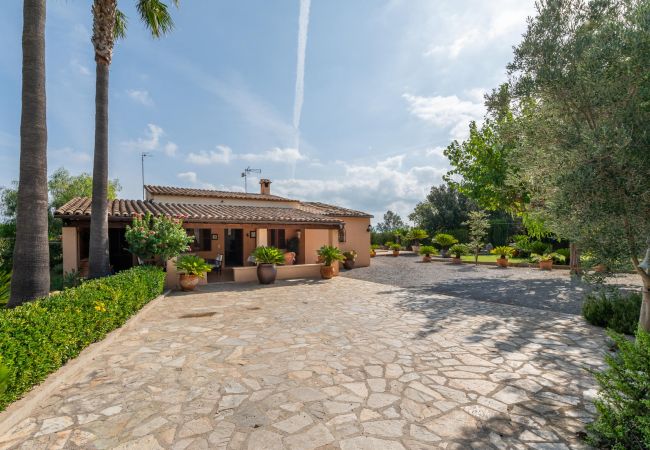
x=345, y=364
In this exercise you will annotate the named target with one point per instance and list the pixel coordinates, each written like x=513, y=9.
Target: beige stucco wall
x=70, y=249
x=262, y=237
x=248, y=274
x=315, y=239
x=357, y=238
x=219, y=201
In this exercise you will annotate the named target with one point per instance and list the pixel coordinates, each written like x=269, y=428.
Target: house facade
x=230, y=224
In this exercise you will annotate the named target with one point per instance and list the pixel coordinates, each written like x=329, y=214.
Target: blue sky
x=387, y=85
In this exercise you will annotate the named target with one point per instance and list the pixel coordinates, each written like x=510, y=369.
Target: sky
x=339, y=101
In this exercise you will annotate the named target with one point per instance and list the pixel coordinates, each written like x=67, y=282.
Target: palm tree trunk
x=99, y=263
x=644, y=316
x=31, y=262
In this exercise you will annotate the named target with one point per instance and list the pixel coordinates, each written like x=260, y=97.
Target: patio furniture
x=216, y=263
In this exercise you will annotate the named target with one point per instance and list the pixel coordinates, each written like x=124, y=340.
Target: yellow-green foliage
x=38, y=337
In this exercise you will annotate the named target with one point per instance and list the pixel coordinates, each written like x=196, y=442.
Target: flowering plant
x=157, y=237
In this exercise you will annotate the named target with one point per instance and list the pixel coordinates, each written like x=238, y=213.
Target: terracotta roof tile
x=331, y=210
x=209, y=193
x=80, y=207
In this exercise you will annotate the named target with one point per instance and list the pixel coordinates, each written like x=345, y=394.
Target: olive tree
x=580, y=85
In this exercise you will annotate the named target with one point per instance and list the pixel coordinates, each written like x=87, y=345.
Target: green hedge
x=39, y=337
x=623, y=403
x=613, y=309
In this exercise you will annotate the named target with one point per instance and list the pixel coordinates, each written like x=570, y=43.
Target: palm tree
x=109, y=24
x=31, y=261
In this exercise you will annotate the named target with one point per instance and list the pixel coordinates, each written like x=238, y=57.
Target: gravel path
x=519, y=286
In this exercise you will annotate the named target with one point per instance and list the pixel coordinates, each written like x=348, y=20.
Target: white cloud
x=222, y=155
x=150, y=142
x=286, y=155
x=303, y=27
x=375, y=187
x=468, y=28
x=170, y=149
x=140, y=96
x=188, y=176
x=446, y=111
x=69, y=155
x=80, y=68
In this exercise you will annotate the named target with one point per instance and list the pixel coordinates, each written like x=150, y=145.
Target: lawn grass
x=491, y=258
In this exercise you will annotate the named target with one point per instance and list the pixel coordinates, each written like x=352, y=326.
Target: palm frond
x=156, y=17
x=121, y=23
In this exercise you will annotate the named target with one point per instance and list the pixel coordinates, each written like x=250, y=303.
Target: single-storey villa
x=230, y=224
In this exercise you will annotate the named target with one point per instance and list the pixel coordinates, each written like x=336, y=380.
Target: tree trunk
x=574, y=260
x=99, y=262
x=31, y=262
x=644, y=317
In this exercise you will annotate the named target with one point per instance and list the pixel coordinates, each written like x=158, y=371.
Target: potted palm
x=191, y=268
x=444, y=241
x=266, y=258
x=373, y=250
x=395, y=248
x=350, y=258
x=504, y=253
x=414, y=236
x=458, y=250
x=328, y=255
x=545, y=260
x=426, y=251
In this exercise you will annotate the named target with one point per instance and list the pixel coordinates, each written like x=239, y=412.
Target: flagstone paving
x=343, y=363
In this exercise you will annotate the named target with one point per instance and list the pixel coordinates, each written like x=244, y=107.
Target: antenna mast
x=245, y=174
x=143, y=155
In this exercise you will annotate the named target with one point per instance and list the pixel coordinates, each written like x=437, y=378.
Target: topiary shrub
x=623, y=403
x=38, y=337
x=612, y=309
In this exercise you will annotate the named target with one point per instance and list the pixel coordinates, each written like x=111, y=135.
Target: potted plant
x=191, y=268
x=350, y=258
x=395, y=248
x=328, y=255
x=414, y=236
x=444, y=241
x=458, y=250
x=426, y=251
x=373, y=250
x=504, y=252
x=155, y=240
x=266, y=258
x=545, y=261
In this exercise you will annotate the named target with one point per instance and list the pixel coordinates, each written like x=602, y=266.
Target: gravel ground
x=530, y=287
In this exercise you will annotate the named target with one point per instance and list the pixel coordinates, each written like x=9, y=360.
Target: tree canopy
x=391, y=222
x=64, y=187
x=444, y=209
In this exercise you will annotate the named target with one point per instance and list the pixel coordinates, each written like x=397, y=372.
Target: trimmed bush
x=38, y=337
x=623, y=403
x=612, y=309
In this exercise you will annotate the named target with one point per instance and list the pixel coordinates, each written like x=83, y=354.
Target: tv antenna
x=247, y=171
x=144, y=155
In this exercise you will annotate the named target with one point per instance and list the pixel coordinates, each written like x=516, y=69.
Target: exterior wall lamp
x=369, y=229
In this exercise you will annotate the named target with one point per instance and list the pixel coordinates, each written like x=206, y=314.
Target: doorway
x=234, y=247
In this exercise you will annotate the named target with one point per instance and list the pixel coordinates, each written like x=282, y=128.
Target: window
x=277, y=238
x=341, y=234
x=202, y=239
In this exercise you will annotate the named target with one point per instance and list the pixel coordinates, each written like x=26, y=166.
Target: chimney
x=265, y=186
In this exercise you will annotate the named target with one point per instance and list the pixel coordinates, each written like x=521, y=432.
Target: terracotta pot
x=189, y=282
x=289, y=258
x=600, y=268
x=455, y=260
x=348, y=264
x=373, y=254
x=326, y=272
x=546, y=265
x=426, y=258
x=502, y=262
x=266, y=273
x=395, y=252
